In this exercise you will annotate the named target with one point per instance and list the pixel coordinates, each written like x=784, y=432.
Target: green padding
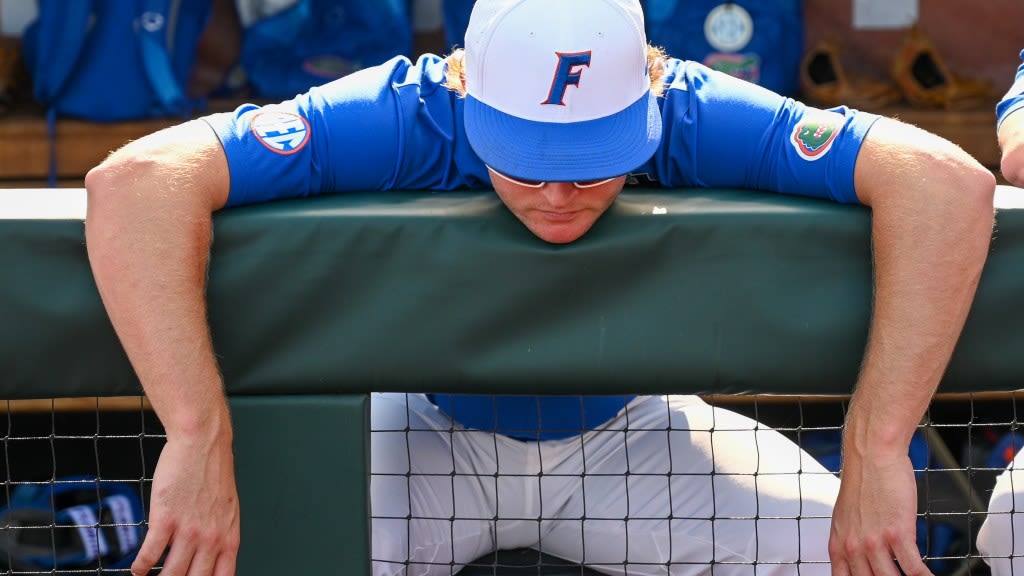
x=302, y=465
x=693, y=291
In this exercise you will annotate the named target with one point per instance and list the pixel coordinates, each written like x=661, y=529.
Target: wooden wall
x=978, y=38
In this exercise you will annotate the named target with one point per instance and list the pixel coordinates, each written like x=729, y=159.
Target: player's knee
x=997, y=533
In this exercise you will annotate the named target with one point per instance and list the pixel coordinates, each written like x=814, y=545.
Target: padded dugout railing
x=315, y=303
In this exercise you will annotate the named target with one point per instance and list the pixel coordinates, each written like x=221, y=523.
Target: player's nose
x=559, y=194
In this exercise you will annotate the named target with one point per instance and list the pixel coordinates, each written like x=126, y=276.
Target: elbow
x=113, y=184
x=114, y=206
x=968, y=187
x=126, y=195
x=98, y=177
x=99, y=186
x=979, y=187
x=177, y=170
x=104, y=219
x=974, y=205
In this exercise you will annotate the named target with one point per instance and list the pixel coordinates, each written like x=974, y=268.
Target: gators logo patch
x=743, y=66
x=281, y=132
x=813, y=136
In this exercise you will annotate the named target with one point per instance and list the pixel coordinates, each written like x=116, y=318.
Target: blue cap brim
x=588, y=150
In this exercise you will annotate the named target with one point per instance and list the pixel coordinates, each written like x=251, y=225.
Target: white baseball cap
x=558, y=90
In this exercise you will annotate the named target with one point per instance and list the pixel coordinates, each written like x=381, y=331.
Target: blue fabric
x=531, y=417
x=1005, y=449
x=456, y=20
x=601, y=148
x=771, y=56
x=315, y=41
x=111, y=60
x=1013, y=100
x=396, y=127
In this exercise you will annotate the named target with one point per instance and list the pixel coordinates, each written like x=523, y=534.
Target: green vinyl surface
x=688, y=291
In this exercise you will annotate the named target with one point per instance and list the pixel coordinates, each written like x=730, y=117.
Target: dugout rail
x=315, y=303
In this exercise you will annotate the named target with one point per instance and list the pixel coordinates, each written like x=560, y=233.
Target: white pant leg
x=434, y=493
x=767, y=501
x=1001, y=538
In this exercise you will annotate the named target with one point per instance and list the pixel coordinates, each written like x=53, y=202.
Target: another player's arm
x=1011, y=142
x=932, y=223
x=148, y=233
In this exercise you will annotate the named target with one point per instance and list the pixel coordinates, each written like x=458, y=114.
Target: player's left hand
x=874, y=521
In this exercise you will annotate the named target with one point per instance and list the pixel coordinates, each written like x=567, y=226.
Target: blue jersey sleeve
x=393, y=126
x=1013, y=100
x=722, y=132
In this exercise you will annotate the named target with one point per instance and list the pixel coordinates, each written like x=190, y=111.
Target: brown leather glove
x=927, y=82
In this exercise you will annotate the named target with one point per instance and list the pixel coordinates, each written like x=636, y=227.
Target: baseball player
x=1001, y=538
x=554, y=105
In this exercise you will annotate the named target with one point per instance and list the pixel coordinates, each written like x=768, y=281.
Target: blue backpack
x=760, y=41
x=456, y=20
x=316, y=41
x=113, y=60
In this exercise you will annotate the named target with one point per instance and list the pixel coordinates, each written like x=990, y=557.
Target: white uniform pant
x=668, y=486
x=1001, y=538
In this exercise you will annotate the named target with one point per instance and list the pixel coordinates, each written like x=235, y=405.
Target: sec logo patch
x=813, y=136
x=281, y=132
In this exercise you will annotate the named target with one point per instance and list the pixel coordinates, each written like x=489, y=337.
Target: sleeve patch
x=280, y=132
x=813, y=136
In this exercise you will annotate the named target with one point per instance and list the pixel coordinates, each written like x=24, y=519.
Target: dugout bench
x=314, y=303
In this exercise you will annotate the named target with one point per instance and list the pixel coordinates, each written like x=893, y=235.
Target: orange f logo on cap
x=567, y=72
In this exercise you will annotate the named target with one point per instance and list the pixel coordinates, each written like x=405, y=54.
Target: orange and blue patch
x=813, y=136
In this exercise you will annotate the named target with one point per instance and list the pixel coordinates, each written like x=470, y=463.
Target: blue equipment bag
x=316, y=41
x=757, y=40
x=72, y=523
x=112, y=60
x=456, y=20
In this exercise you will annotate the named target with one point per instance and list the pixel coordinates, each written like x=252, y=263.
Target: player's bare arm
x=932, y=223
x=148, y=232
x=1011, y=142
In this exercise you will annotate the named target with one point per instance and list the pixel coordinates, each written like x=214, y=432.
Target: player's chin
x=560, y=232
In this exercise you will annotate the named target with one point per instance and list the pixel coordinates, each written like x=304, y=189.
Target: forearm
x=148, y=232
x=922, y=297
x=931, y=208
x=931, y=227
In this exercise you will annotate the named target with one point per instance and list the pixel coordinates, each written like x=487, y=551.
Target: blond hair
x=455, y=76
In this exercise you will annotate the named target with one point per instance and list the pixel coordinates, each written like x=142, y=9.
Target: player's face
x=557, y=212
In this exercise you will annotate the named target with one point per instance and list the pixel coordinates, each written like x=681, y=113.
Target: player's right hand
x=194, y=512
